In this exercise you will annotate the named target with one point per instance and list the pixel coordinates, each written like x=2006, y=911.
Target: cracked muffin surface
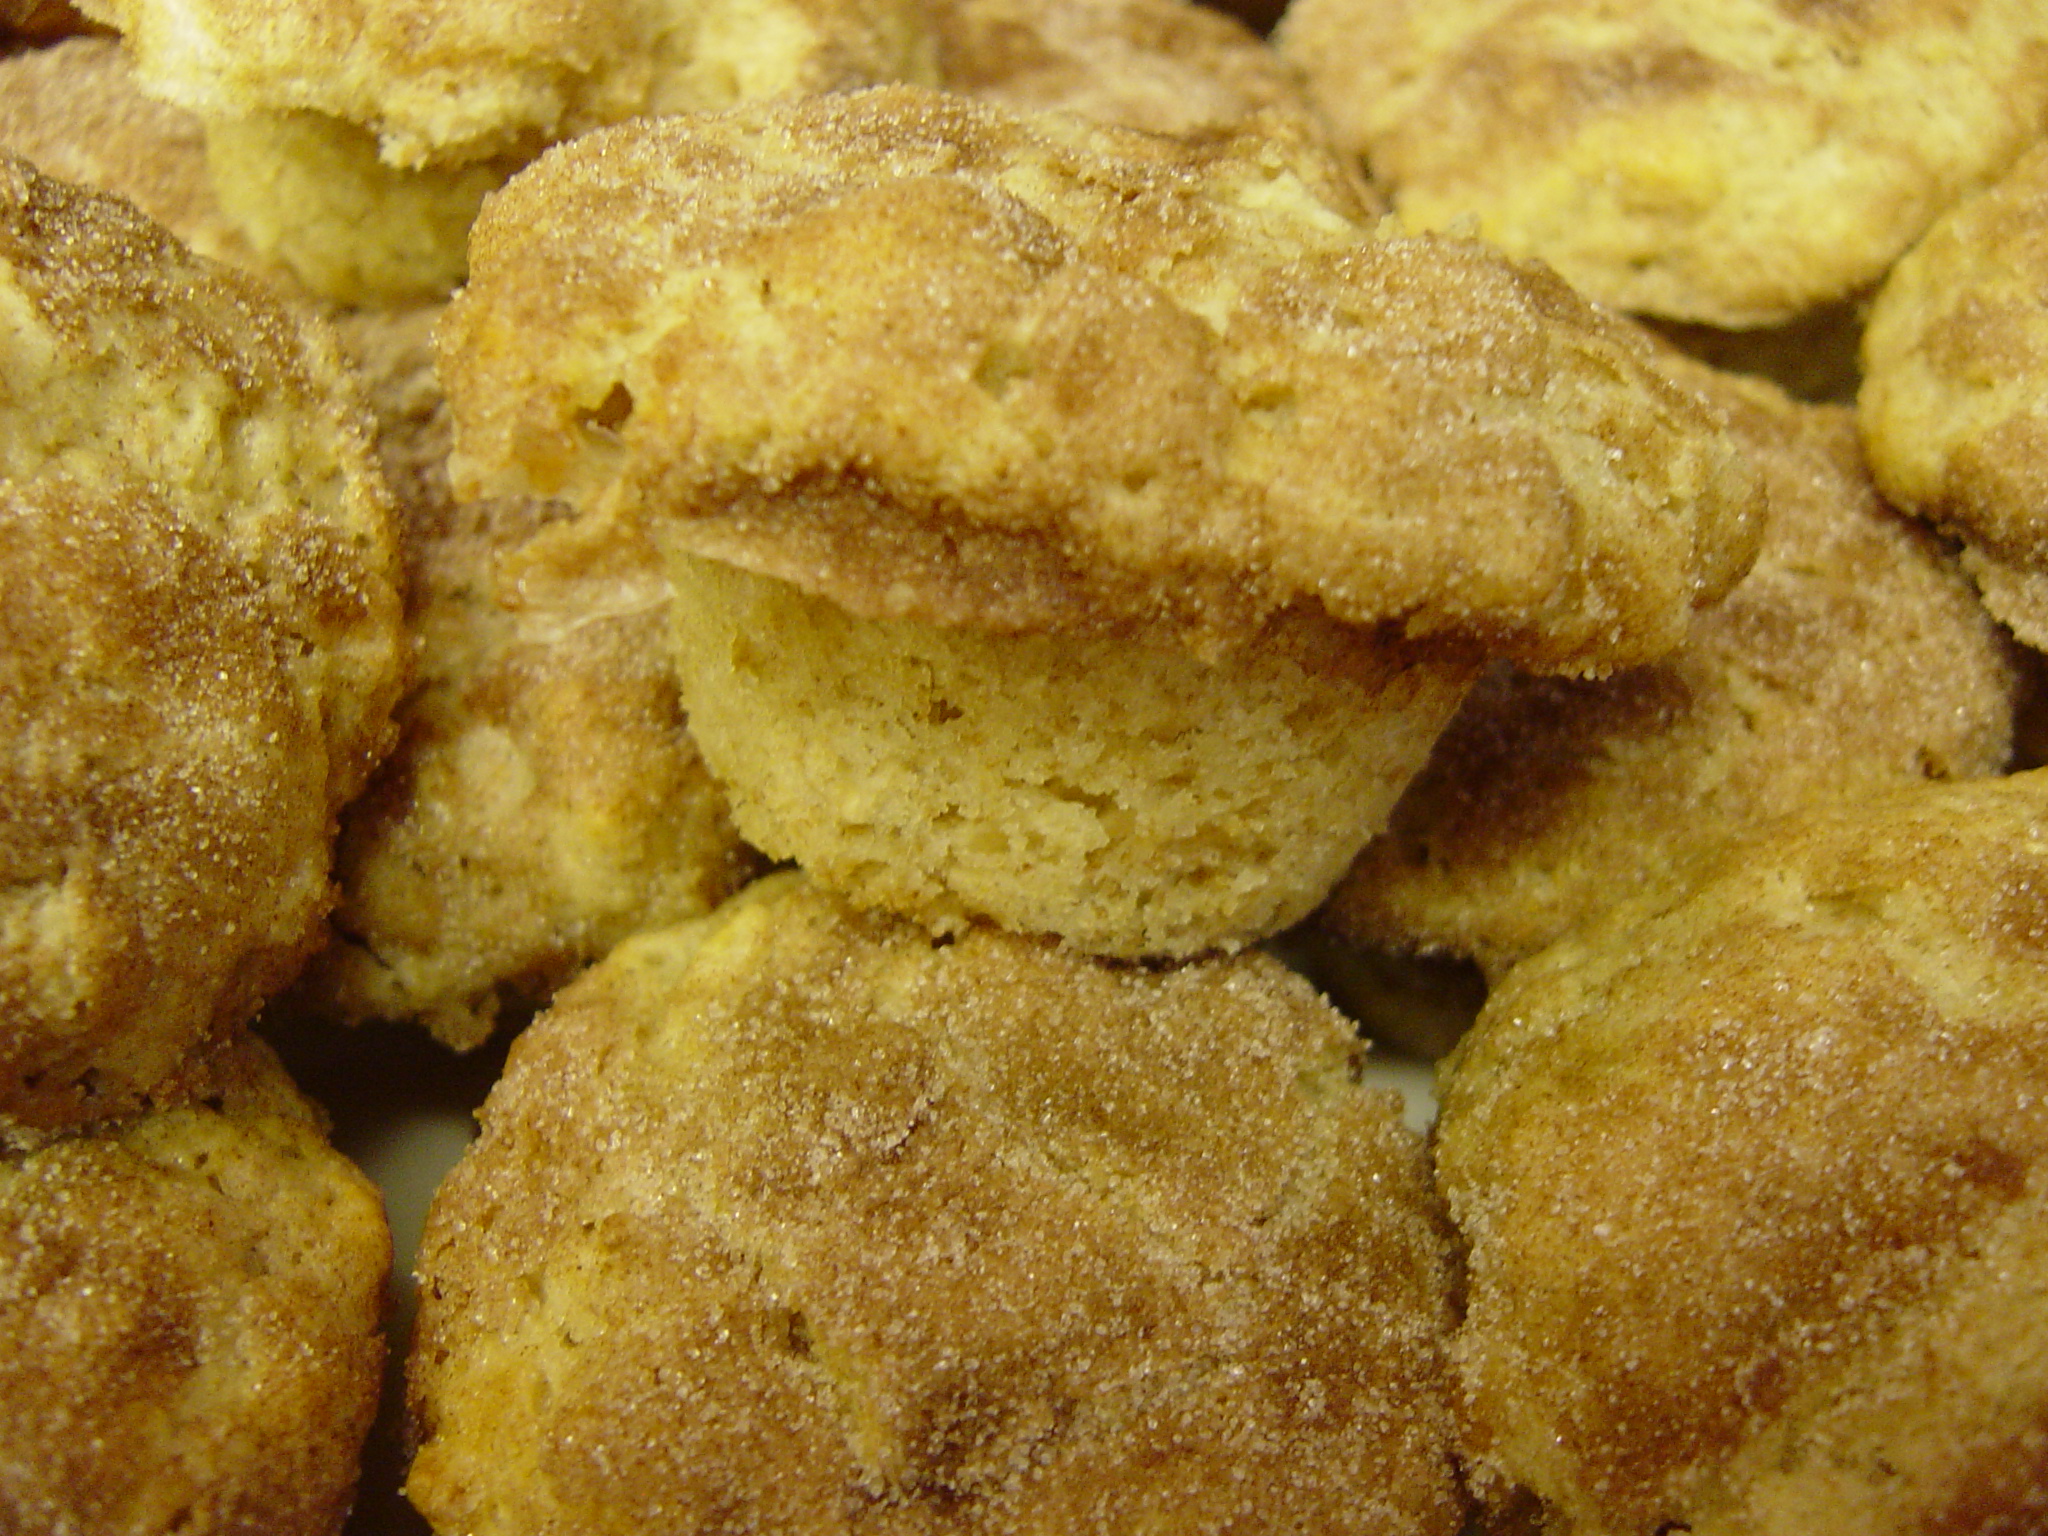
x=800, y=1220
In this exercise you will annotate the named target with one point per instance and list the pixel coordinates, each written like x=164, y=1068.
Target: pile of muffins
x=948, y=611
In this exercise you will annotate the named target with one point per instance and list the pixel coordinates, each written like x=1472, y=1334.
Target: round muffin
x=352, y=142
x=797, y=1220
x=1066, y=412
x=203, y=645
x=191, y=1302
x=1954, y=400
x=1735, y=163
x=1742, y=1167
x=1853, y=654
x=544, y=797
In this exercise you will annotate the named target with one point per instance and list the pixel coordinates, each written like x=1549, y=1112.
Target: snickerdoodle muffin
x=190, y=1301
x=352, y=142
x=203, y=644
x=1737, y=163
x=799, y=1220
x=1854, y=653
x=1077, y=528
x=1754, y=1178
x=544, y=797
x=1954, y=401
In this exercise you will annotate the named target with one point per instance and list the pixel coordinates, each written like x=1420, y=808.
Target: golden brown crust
x=202, y=651
x=1733, y=163
x=190, y=1302
x=1853, y=653
x=128, y=358
x=164, y=822
x=933, y=325
x=76, y=112
x=1728, y=1158
x=790, y=1220
x=1954, y=402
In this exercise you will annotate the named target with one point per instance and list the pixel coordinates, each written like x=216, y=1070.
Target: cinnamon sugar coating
x=1954, y=400
x=795, y=1220
x=190, y=1302
x=128, y=358
x=202, y=646
x=1854, y=653
x=164, y=824
x=1751, y=1171
x=1736, y=162
x=935, y=330
x=1946, y=1428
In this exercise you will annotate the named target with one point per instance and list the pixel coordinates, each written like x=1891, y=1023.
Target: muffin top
x=797, y=1220
x=1736, y=1159
x=203, y=646
x=130, y=361
x=936, y=360
x=191, y=1300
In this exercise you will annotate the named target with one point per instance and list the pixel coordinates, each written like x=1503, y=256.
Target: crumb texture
x=1131, y=799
